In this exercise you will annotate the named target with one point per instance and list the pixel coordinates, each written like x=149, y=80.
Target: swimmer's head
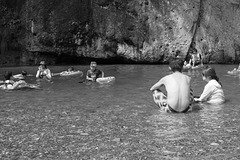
x=43, y=63
x=70, y=69
x=210, y=73
x=24, y=73
x=93, y=65
x=176, y=65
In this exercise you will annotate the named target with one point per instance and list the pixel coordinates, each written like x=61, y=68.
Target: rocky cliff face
x=139, y=31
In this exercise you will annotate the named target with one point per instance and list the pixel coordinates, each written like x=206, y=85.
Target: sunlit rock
x=148, y=31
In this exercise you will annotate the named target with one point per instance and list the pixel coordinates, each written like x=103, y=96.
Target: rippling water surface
x=121, y=114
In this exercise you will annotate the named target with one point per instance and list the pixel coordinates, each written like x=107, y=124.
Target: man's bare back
x=178, y=89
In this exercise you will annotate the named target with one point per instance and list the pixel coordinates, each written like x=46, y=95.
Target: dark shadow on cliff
x=65, y=59
x=74, y=60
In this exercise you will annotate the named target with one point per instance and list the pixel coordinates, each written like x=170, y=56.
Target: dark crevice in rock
x=195, y=27
x=74, y=60
x=66, y=59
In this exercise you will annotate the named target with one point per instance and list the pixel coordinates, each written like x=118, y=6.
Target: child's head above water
x=24, y=73
x=8, y=75
x=210, y=73
x=43, y=63
x=93, y=65
x=70, y=69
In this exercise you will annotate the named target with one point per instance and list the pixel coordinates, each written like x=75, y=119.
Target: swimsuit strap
x=184, y=111
x=174, y=111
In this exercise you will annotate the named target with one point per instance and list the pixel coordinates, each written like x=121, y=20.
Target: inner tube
x=234, y=72
x=104, y=80
x=21, y=86
x=28, y=86
x=66, y=73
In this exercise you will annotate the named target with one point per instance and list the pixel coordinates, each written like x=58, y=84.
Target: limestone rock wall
x=139, y=31
x=218, y=37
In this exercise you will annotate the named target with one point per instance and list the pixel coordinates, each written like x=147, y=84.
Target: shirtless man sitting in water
x=179, y=94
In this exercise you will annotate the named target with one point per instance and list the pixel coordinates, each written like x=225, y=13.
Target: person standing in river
x=43, y=72
x=179, y=94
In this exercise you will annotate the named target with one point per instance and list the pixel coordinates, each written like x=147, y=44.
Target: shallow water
x=117, y=120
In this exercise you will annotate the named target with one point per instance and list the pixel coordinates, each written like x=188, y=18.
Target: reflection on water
x=212, y=129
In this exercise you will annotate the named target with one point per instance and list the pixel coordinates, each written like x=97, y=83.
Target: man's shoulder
x=187, y=77
x=167, y=78
x=177, y=75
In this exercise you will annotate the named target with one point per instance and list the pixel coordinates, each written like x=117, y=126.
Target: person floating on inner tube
x=22, y=75
x=43, y=72
x=94, y=73
x=69, y=70
x=9, y=83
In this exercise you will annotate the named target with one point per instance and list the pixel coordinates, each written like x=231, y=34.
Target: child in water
x=94, y=73
x=235, y=70
x=70, y=70
x=43, y=72
x=213, y=92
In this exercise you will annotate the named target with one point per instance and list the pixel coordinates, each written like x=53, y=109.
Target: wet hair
x=176, y=65
x=8, y=75
x=211, y=73
x=24, y=73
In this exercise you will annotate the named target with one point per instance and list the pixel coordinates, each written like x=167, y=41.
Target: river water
x=70, y=119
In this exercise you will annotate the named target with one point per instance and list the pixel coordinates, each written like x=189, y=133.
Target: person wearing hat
x=43, y=72
x=94, y=73
x=213, y=92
